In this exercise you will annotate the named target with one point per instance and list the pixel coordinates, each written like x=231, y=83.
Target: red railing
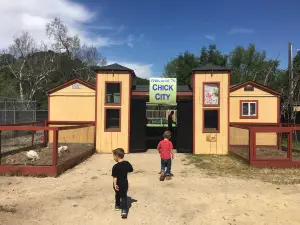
x=270, y=145
x=44, y=138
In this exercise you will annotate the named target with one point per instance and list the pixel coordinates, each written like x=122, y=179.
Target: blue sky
x=145, y=35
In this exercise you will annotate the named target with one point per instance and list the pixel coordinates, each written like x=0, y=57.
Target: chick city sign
x=163, y=90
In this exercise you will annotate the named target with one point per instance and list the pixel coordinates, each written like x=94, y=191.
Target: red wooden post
x=290, y=145
x=54, y=148
x=0, y=146
x=250, y=145
x=279, y=134
x=45, y=134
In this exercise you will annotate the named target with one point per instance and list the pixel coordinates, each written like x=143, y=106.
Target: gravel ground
x=84, y=195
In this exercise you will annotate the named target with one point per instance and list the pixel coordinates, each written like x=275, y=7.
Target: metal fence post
x=5, y=112
x=14, y=111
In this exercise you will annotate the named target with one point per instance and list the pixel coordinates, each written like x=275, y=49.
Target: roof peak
x=211, y=67
x=114, y=67
x=255, y=84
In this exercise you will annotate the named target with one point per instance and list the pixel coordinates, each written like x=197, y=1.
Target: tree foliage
x=28, y=69
x=181, y=67
x=246, y=63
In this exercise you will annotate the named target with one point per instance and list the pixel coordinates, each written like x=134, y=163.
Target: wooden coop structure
x=253, y=104
x=205, y=110
x=73, y=101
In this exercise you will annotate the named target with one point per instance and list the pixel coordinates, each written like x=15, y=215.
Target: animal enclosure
x=255, y=151
x=45, y=148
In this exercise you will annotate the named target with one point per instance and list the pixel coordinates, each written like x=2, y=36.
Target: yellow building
x=206, y=108
x=253, y=104
x=211, y=109
x=113, y=93
x=73, y=101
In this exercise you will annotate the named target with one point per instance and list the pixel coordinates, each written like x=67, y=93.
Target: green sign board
x=162, y=90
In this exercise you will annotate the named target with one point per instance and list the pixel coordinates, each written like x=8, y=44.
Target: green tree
x=203, y=56
x=181, y=67
x=251, y=64
x=212, y=55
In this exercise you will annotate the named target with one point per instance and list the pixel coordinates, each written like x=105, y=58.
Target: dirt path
x=84, y=195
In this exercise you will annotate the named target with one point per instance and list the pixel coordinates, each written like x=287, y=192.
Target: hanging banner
x=163, y=90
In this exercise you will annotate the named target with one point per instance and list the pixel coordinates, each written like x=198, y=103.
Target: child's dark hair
x=119, y=152
x=167, y=134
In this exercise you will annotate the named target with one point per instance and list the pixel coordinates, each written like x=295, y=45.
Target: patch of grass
x=217, y=165
x=7, y=209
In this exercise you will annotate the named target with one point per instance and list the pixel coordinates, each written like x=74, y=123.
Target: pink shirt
x=165, y=147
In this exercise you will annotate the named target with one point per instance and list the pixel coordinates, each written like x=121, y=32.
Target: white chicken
x=32, y=155
x=62, y=149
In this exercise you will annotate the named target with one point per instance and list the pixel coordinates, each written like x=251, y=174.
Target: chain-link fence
x=20, y=111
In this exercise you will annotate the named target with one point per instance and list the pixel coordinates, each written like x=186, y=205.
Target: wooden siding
x=201, y=145
x=80, y=135
x=239, y=136
x=70, y=104
x=107, y=141
x=267, y=106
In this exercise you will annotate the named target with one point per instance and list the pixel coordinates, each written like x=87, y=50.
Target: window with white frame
x=249, y=108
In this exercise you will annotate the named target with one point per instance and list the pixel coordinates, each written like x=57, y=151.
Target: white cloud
x=32, y=16
x=210, y=37
x=140, y=69
x=240, y=30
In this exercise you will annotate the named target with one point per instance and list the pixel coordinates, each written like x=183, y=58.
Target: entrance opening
x=148, y=123
x=157, y=123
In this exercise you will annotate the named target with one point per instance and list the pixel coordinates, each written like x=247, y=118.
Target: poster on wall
x=162, y=90
x=211, y=94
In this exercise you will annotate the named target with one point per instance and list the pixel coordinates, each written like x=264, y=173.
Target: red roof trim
x=70, y=82
x=254, y=84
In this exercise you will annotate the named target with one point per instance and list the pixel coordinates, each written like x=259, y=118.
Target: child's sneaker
x=162, y=176
x=117, y=208
x=124, y=214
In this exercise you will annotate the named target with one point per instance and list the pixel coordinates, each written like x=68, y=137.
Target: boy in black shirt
x=120, y=182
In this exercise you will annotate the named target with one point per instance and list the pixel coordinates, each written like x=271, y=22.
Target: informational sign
x=76, y=86
x=163, y=90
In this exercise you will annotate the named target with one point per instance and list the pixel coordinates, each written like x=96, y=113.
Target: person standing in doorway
x=171, y=122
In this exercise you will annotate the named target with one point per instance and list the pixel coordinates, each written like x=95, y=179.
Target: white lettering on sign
x=76, y=86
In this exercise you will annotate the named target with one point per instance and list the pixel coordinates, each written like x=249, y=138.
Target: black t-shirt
x=120, y=171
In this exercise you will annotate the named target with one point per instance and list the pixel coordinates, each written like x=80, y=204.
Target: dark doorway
x=138, y=127
x=184, y=137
